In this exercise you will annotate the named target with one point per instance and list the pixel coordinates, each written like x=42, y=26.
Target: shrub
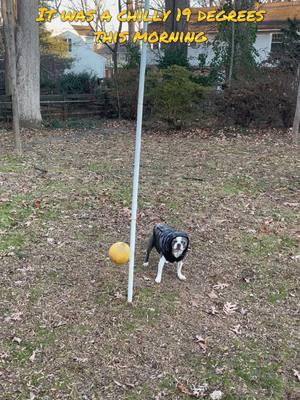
x=122, y=92
x=172, y=95
x=267, y=100
x=173, y=56
x=77, y=83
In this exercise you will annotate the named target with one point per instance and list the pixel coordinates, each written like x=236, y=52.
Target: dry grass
x=66, y=330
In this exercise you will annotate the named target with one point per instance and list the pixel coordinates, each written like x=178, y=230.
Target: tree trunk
x=232, y=51
x=10, y=51
x=28, y=63
x=173, y=26
x=131, y=25
x=6, y=74
x=297, y=114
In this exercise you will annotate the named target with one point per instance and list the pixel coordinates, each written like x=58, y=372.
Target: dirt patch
x=67, y=332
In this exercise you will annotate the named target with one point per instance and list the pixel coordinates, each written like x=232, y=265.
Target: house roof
x=83, y=30
x=276, y=17
x=104, y=50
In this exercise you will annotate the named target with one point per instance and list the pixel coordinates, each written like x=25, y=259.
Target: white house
x=268, y=36
x=80, y=42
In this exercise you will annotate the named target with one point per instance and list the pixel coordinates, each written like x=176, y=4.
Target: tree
x=175, y=53
x=1, y=42
x=131, y=24
x=10, y=49
x=97, y=24
x=287, y=58
x=297, y=117
x=234, y=51
x=28, y=62
x=50, y=44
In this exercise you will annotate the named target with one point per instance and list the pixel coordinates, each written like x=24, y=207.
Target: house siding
x=84, y=58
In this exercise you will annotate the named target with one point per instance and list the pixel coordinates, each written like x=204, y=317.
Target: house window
x=69, y=44
x=155, y=46
x=194, y=45
x=276, y=42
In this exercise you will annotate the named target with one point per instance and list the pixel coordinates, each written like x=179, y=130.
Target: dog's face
x=179, y=244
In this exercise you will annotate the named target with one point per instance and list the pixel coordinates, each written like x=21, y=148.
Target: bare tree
x=232, y=50
x=28, y=62
x=297, y=114
x=97, y=24
x=131, y=24
x=10, y=49
x=172, y=25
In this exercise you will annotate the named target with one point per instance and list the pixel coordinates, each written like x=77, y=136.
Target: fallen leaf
x=160, y=395
x=243, y=311
x=213, y=310
x=184, y=389
x=216, y=395
x=291, y=204
x=199, y=391
x=37, y=203
x=230, y=308
x=118, y=295
x=120, y=384
x=14, y=317
x=236, y=329
x=296, y=374
x=81, y=360
x=202, y=342
x=32, y=357
x=213, y=295
x=219, y=370
x=194, y=303
x=220, y=286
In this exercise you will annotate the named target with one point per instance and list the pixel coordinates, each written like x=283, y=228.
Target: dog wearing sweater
x=171, y=245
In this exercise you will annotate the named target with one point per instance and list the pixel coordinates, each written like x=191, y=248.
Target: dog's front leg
x=179, y=273
x=160, y=269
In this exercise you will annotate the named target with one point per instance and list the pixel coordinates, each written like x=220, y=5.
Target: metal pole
x=137, y=158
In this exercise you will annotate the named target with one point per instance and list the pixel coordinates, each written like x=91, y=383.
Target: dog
x=172, y=247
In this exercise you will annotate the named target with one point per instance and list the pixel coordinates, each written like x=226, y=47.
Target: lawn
x=229, y=330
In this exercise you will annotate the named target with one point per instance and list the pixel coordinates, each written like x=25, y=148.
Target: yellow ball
x=119, y=253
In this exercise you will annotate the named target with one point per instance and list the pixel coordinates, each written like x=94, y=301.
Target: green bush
x=172, y=95
x=77, y=83
x=174, y=56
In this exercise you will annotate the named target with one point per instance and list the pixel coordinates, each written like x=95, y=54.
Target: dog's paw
x=181, y=277
x=157, y=280
x=145, y=264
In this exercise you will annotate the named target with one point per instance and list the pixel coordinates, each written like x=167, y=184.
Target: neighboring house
x=98, y=59
x=81, y=48
x=268, y=36
x=105, y=52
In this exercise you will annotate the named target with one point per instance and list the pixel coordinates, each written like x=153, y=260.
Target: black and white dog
x=172, y=247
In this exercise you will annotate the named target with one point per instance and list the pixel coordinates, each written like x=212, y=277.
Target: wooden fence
x=60, y=106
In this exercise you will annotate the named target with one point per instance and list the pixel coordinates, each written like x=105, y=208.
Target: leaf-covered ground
x=229, y=331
